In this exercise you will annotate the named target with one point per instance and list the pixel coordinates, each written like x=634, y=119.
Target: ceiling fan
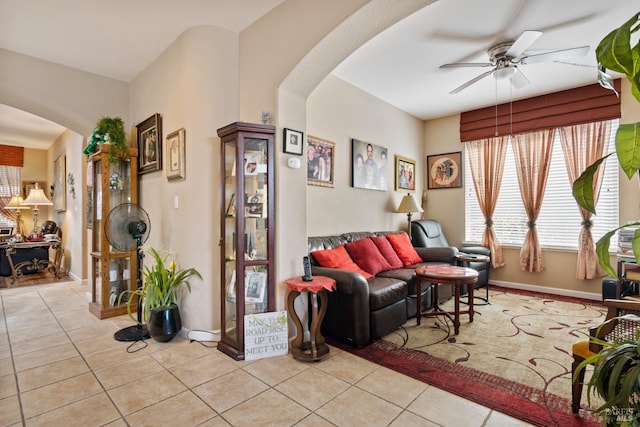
x=505, y=58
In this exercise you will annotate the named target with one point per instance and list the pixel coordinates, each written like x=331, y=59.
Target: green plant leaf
x=614, y=51
x=628, y=148
x=583, y=186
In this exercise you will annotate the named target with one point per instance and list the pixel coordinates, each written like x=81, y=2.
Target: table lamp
x=409, y=205
x=36, y=198
x=16, y=203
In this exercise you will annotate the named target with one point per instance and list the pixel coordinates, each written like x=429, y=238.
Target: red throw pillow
x=387, y=251
x=338, y=258
x=366, y=254
x=403, y=247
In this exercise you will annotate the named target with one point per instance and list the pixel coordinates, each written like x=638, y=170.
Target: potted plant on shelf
x=109, y=130
x=159, y=294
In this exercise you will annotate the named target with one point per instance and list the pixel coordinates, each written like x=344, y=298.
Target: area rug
x=515, y=357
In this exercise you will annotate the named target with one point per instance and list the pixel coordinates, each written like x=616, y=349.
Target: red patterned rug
x=515, y=357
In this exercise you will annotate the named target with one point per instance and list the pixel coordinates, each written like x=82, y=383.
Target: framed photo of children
x=369, y=165
x=320, y=161
x=444, y=170
x=150, y=144
x=405, y=174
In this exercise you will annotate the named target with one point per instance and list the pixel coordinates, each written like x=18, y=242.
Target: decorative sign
x=265, y=335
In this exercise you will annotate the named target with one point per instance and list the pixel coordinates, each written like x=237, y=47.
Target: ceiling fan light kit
x=505, y=58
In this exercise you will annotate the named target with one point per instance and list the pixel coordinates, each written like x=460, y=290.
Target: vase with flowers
x=162, y=285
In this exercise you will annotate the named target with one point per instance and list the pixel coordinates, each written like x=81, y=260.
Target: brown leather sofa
x=362, y=310
x=428, y=233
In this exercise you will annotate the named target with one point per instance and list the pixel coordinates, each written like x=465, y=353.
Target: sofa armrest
x=477, y=250
x=442, y=254
x=347, y=282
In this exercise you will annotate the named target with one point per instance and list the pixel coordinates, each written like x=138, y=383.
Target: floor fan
x=127, y=227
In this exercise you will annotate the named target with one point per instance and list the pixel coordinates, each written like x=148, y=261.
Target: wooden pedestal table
x=315, y=349
x=445, y=275
x=465, y=259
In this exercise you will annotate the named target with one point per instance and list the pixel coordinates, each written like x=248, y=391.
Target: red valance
x=11, y=156
x=569, y=107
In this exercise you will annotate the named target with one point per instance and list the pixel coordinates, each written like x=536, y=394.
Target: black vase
x=164, y=323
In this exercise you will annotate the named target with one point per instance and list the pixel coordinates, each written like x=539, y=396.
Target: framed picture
x=59, y=184
x=255, y=285
x=369, y=166
x=405, y=174
x=175, y=155
x=320, y=161
x=293, y=141
x=444, y=170
x=150, y=144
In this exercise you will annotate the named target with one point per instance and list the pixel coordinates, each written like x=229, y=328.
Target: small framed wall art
x=293, y=141
x=175, y=155
x=405, y=174
x=320, y=161
x=150, y=144
x=59, y=184
x=444, y=170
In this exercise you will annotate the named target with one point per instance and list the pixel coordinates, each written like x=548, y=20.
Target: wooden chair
x=613, y=330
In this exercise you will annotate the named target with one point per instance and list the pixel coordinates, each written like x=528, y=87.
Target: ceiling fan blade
x=556, y=55
x=470, y=82
x=519, y=80
x=467, y=64
x=526, y=39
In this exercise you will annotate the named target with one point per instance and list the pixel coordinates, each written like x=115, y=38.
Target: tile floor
x=60, y=366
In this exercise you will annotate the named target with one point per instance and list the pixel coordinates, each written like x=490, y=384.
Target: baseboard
x=76, y=278
x=548, y=290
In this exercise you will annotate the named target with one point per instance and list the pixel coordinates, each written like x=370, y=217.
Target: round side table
x=315, y=349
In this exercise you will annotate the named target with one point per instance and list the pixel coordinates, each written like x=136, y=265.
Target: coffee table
x=445, y=275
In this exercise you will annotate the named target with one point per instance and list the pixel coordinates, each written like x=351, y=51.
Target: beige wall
x=35, y=170
x=338, y=112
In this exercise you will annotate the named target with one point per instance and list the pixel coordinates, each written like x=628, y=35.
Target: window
x=558, y=225
x=9, y=186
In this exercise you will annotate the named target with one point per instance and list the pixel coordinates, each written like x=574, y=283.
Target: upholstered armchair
x=427, y=233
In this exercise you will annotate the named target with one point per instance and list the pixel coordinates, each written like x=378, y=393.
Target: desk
x=316, y=349
x=36, y=264
x=465, y=259
x=445, y=275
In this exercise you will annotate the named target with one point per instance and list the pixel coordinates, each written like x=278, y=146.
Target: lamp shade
x=37, y=197
x=408, y=205
x=16, y=202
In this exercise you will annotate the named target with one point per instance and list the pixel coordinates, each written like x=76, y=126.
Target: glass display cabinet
x=110, y=183
x=247, y=234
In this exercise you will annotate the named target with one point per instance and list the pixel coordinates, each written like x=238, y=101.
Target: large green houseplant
x=161, y=287
x=616, y=376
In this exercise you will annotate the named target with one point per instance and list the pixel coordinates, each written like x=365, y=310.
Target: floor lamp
x=409, y=205
x=36, y=198
x=17, y=203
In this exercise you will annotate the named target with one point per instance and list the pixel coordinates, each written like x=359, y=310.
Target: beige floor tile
x=34, y=332
x=185, y=410
x=496, y=419
x=179, y=351
x=97, y=410
x=200, y=371
x=274, y=370
x=10, y=411
x=39, y=358
x=312, y=388
x=447, y=409
x=355, y=407
x=134, y=369
x=39, y=344
x=53, y=396
x=8, y=386
x=406, y=419
x=146, y=391
x=227, y=391
x=268, y=409
x=216, y=422
x=313, y=420
x=392, y=386
x=110, y=357
x=6, y=366
x=91, y=329
x=101, y=342
x=51, y=373
x=346, y=366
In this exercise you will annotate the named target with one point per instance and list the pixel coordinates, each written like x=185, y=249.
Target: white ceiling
x=400, y=66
